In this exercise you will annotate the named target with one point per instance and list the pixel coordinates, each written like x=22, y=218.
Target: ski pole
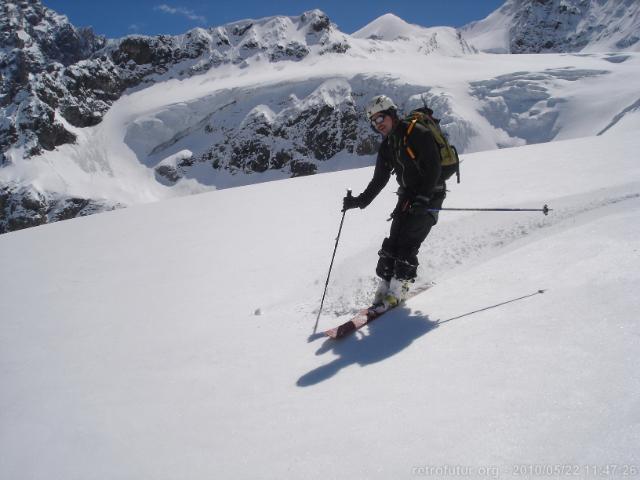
x=544, y=209
x=315, y=327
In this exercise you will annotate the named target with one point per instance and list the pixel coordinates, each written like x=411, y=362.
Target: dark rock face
x=541, y=27
x=51, y=134
x=134, y=49
x=330, y=131
x=37, y=44
x=167, y=173
x=250, y=156
x=301, y=168
x=23, y=207
x=318, y=21
x=292, y=50
x=548, y=26
x=294, y=140
x=555, y=26
x=27, y=22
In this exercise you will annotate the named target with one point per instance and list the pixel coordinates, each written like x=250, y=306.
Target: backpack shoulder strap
x=410, y=128
x=410, y=152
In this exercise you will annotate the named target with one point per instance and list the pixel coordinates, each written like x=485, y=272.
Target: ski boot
x=390, y=295
x=398, y=292
x=381, y=292
x=378, y=306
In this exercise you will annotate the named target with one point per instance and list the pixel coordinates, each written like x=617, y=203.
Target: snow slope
x=171, y=340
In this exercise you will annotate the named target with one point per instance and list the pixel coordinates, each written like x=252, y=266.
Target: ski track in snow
x=459, y=247
x=506, y=232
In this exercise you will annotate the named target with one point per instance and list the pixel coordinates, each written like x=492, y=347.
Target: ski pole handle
x=349, y=195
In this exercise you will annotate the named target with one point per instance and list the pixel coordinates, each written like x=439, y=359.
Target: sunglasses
x=375, y=121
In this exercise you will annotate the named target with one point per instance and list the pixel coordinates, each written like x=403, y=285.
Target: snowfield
x=172, y=340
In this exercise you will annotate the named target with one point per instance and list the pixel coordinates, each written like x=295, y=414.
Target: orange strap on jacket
x=409, y=130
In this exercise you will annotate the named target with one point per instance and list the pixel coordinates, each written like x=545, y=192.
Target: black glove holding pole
x=350, y=202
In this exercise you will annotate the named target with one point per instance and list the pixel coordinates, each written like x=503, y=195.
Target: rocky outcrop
x=286, y=135
x=36, y=42
x=546, y=26
x=295, y=139
x=25, y=207
x=560, y=26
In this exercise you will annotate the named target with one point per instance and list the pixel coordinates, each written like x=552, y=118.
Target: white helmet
x=379, y=103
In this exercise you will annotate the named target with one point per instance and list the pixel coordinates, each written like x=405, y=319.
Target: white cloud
x=190, y=14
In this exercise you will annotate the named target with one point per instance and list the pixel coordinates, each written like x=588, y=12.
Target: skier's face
x=383, y=123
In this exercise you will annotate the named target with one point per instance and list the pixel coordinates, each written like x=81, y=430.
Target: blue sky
x=117, y=18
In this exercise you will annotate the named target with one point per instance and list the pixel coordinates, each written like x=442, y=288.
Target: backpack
x=449, y=159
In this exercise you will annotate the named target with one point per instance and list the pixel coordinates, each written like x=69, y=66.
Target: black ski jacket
x=416, y=177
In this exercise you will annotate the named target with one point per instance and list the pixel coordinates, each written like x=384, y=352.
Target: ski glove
x=350, y=202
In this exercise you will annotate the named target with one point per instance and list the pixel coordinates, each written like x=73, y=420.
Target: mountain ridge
x=554, y=26
x=302, y=114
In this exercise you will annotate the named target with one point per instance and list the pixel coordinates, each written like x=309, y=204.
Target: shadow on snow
x=379, y=340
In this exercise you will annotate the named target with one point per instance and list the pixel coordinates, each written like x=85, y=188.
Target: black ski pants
x=412, y=222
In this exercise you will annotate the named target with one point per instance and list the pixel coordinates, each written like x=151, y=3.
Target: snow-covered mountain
x=141, y=119
x=391, y=28
x=170, y=341
x=538, y=26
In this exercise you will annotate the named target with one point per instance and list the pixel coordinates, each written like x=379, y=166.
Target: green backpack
x=449, y=159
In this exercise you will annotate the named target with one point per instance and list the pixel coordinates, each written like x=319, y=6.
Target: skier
x=421, y=189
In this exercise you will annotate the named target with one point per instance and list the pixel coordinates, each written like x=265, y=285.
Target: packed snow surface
x=172, y=340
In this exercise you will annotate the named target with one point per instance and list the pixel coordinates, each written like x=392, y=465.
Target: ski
x=363, y=317
x=367, y=315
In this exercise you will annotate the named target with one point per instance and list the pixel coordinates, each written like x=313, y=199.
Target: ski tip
x=331, y=333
